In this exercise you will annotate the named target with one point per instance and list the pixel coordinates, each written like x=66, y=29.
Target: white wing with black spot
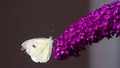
x=39, y=49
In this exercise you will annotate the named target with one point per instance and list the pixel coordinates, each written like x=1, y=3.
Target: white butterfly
x=39, y=49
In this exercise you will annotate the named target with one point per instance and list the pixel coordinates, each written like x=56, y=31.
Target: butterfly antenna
x=52, y=33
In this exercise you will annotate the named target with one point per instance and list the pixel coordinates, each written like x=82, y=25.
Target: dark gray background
x=24, y=19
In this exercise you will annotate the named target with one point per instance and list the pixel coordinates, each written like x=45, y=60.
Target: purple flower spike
x=101, y=23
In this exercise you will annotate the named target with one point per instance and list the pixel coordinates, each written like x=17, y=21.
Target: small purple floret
x=101, y=23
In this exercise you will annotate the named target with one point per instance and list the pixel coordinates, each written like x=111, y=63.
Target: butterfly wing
x=46, y=52
x=39, y=49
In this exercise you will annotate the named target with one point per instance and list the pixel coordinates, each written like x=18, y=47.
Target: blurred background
x=25, y=19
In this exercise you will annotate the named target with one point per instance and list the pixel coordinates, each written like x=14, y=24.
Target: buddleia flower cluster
x=98, y=24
